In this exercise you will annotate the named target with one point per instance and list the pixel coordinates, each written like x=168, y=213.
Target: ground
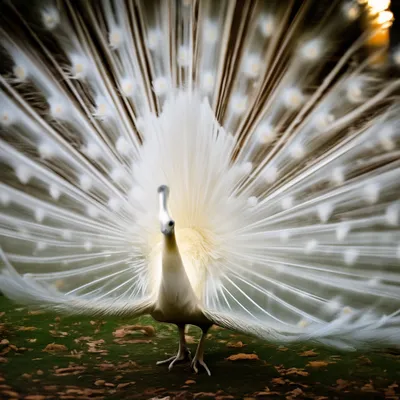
x=45, y=356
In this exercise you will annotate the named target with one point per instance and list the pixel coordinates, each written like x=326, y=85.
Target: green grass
x=279, y=372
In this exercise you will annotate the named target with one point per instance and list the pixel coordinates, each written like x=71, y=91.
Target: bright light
x=384, y=17
x=377, y=6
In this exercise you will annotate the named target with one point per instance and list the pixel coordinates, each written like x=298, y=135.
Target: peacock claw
x=201, y=362
x=180, y=357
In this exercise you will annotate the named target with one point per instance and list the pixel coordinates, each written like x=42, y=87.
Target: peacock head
x=166, y=222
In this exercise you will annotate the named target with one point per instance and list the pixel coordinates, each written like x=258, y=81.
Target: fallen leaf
x=10, y=393
x=341, y=384
x=133, y=341
x=278, y=381
x=35, y=312
x=295, y=392
x=35, y=397
x=73, y=370
x=39, y=372
x=295, y=371
x=4, y=341
x=124, y=385
x=105, y=367
x=368, y=387
x=100, y=382
x=54, y=347
x=147, y=330
x=2, y=314
x=242, y=356
x=282, y=348
x=308, y=353
x=190, y=339
x=317, y=364
x=3, y=360
x=190, y=382
x=365, y=360
x=27, y=328
x=235, y=344
x=31, y=340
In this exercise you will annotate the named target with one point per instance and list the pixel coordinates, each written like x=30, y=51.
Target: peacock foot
x=199, y=361
x=183, y=355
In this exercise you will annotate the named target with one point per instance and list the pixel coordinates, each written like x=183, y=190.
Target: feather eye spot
x=292, y=98
x=393, y=214
x=5, y=199
x=210, y=32
x=184, y=56
x=271, y=174
x=351, y=11
x=311, y=247
x=371, y=192
x=267, y=25
x=115, y=38
x=7, y=118
x=238, y=103
x=153, y=39
x=127, y=86
x=351, y=256
x=312, y=50
x=252, y=201
x=23, y=173
x=160, y=85
x=252, y=66
x=265, y=133
x=50, y=18
x=20, y=73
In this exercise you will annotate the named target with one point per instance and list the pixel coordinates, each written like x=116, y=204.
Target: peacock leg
x=183, y=352
x=199, y=356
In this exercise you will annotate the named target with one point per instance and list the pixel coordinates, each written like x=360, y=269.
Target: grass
x=96, y=359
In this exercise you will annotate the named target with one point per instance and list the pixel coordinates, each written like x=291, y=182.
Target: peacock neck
x=171, y=258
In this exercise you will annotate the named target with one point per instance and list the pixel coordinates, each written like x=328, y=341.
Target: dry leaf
x=27, y=328
x=235, y=344
x=190, y=339
x=368, y=387
x=278, y=381
x=341, y=384
x=53, y=348
x=318, y=364
x=190, y=382
x=124, y=385
x=147, y=330
x=282, y=348
x=308, y=353
x=35, y=397
x=73, y=370
x=35, y=312
x=105, y=367
x=295, y=371
x=2, y=314
x=100, y=382
x=133, y=341
x=4, y=341
x=242, y=356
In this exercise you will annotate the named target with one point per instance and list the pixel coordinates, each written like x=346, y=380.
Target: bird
x=230, y=163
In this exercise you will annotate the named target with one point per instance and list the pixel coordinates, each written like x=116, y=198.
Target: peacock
x=204, y=162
